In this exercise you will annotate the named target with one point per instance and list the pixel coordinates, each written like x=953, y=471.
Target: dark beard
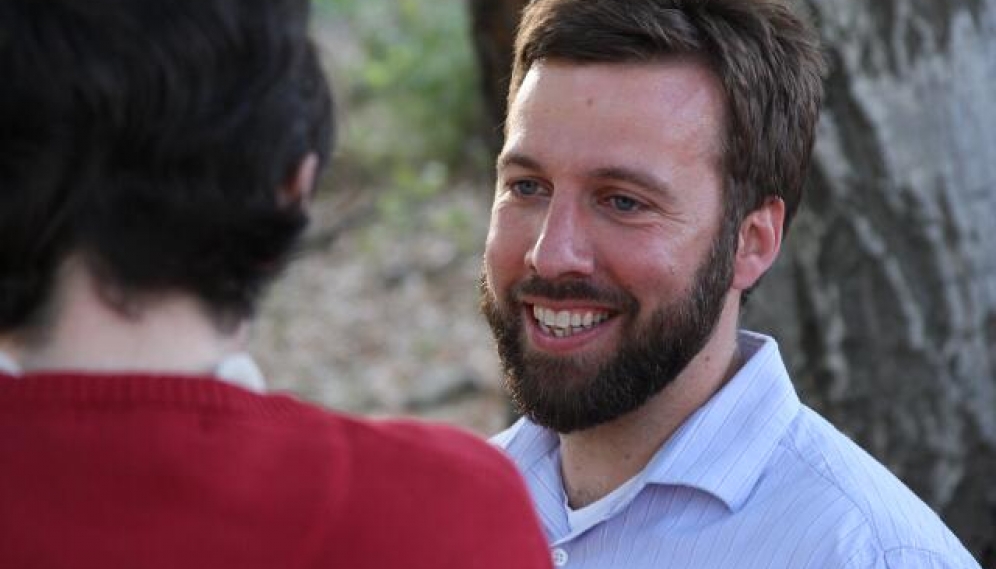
x=569, y=394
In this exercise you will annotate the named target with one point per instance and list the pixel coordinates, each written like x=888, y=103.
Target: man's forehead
x=672, y=101
x=671, y=77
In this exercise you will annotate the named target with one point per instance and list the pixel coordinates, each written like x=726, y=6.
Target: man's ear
x=758, y=244
x=299, y=187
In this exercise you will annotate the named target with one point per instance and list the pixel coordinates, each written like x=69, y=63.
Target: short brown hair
x=767, y=58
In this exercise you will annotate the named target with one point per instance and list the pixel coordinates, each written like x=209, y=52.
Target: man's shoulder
x=820, y=464
x=830, y=460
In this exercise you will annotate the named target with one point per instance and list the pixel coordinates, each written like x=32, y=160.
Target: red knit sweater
x=150, y=471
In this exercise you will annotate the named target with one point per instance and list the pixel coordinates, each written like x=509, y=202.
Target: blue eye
x=624, y=204
x=525, y=188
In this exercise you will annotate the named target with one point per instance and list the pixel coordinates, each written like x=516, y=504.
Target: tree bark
x=884, y=298
x=494, y=23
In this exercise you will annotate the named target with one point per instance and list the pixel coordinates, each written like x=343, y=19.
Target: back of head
x=149, y=137
x=765, y=56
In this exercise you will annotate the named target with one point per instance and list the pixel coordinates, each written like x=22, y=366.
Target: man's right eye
x=525, y=188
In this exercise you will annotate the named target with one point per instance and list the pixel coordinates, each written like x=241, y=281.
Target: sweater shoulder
x=422, y=448
x=408, y=483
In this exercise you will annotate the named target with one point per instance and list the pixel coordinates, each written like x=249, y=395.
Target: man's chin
x=561, y=416
x=564, y=376
x=574, y=365
x=557, y=396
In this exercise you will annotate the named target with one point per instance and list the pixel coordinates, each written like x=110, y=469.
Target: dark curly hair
x=150, y=138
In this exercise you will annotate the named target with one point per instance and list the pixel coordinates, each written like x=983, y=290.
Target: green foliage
x=411, y=105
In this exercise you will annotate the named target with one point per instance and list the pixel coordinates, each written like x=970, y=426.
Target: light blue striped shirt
x=752, y=479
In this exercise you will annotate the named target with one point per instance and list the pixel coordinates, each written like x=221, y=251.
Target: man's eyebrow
x=517, y=159
x=635, y=177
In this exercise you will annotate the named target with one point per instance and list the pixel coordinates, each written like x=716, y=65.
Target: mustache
x=574, y=289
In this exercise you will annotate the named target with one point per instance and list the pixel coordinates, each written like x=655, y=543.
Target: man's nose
x=564, y=246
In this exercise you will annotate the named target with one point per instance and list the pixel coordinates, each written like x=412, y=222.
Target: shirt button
x=559, y=557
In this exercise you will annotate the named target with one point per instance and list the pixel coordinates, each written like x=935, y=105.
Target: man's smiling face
x=605, y=267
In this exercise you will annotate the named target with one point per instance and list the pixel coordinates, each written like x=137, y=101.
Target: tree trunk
x=494, y=23
x=884, y=299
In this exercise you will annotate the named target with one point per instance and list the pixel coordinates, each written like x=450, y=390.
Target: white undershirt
x=600, y=509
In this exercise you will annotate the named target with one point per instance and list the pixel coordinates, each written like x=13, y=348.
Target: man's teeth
x=566, y=322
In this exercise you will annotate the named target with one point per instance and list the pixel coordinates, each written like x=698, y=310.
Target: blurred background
x=379, y=316
x=883, y=300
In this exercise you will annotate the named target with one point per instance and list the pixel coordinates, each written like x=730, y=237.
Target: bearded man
x=655, y=155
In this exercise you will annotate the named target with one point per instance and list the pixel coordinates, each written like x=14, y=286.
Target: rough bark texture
x=884, y=299
x=494, y=23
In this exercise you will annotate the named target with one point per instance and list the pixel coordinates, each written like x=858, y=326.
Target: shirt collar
x=721, y=449
x=533, y=449
x=241, y=370
x=8, y=365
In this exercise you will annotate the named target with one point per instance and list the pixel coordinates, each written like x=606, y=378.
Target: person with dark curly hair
x=157, y=159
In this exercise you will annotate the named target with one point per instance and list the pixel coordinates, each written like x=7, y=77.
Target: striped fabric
x=752, y=479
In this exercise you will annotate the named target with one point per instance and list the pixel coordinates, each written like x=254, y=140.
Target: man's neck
x=596, y=461
x=170, y=333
